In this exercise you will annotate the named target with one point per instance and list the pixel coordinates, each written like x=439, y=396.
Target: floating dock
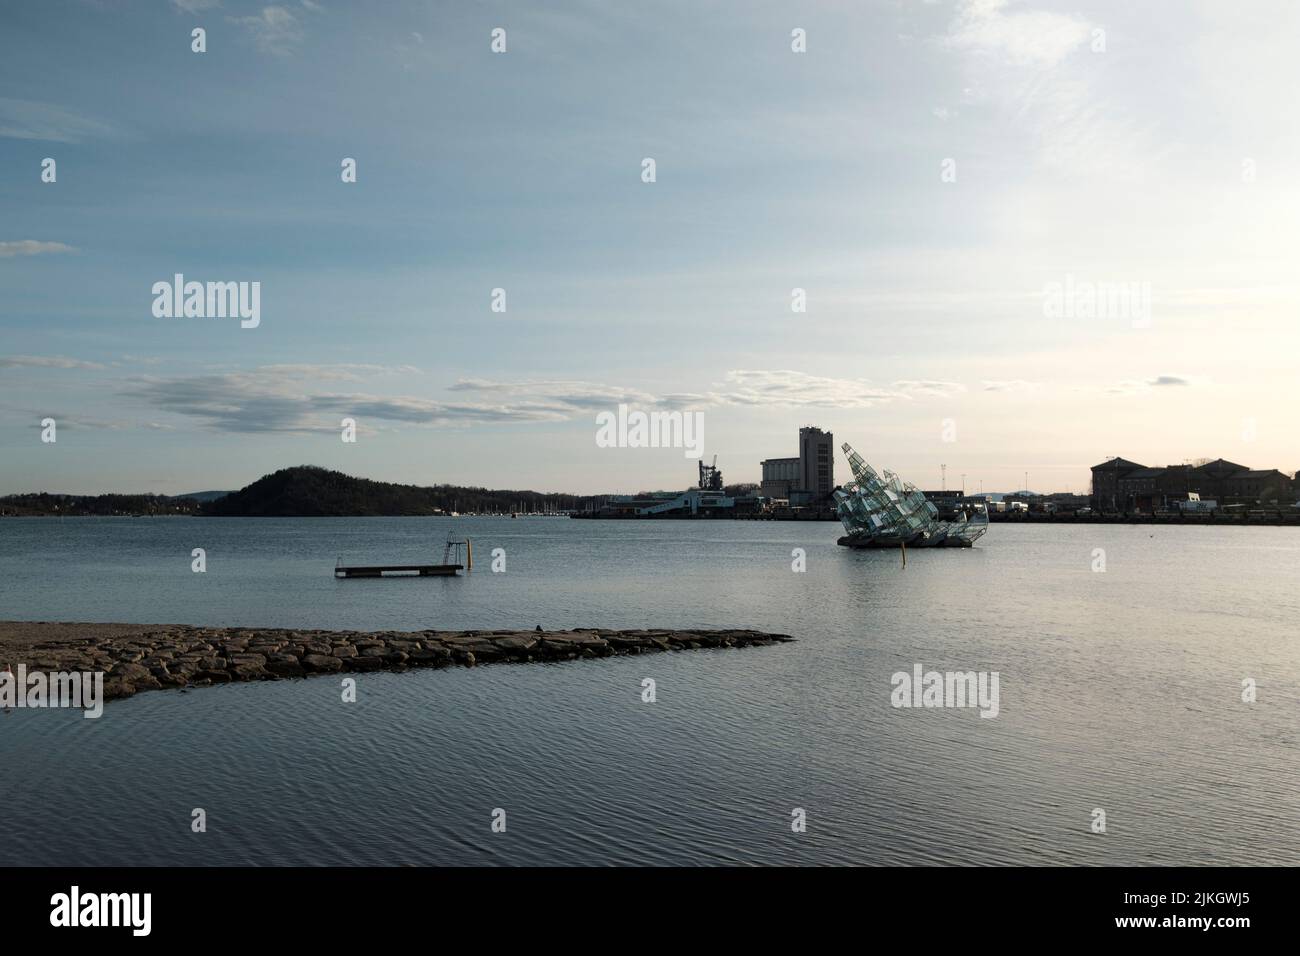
x=380, y=570
x=446, y=569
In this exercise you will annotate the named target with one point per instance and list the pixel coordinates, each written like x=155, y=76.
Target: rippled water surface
x=1118, y=690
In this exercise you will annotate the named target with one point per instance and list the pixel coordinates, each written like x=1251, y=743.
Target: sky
x=946, y=182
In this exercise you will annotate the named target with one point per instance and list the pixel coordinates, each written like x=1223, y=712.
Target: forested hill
x=307, y=490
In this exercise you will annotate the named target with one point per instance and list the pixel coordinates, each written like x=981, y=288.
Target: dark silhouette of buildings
x=1122, y=485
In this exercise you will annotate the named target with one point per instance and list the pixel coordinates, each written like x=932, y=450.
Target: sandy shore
x=137, y=657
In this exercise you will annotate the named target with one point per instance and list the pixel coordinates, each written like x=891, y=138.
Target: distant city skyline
x=997, y=236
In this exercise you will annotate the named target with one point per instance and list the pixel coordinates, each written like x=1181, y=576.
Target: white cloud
x=912, y=388
x=787, y=387
x=31, y=247
x=195, y=6
x=275, y=30
x=1020, y=65
x=1023, y=38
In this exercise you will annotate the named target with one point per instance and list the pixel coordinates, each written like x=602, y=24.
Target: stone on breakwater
x=520, y=643
x=137, y=658
x=321, y=663
x=285, y=665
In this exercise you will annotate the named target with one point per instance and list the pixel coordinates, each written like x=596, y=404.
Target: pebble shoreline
x=153, y=657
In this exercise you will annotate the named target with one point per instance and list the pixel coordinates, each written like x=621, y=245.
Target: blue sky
x=1093, y=143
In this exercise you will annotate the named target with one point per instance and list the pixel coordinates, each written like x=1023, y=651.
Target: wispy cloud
x=344, y=371
x=29, y=119
x=1131, y=387
x=288, y=398
x=195, y=6
x=275, y=30
x=42, y=361
x=575, y=395
x=66, y=422
x=1010, y=385
x=31, y=247
x=797, y=389
x=1026, y=65
x=912, y=388
x=285, y=399
x=410, y=51
x=1021, y=37
x=788, y=387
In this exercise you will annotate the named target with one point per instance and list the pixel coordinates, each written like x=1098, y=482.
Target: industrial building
x=807, y=479
x=706, y=500
x=780, y=477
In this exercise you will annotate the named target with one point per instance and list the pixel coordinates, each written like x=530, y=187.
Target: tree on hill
x=311, y=491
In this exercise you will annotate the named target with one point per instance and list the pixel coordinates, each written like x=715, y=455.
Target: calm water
x=1118, y=690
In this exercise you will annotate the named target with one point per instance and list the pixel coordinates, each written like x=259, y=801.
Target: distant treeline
x=84, y=505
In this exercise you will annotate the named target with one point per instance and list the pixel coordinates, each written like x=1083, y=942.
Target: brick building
x=1123, y=485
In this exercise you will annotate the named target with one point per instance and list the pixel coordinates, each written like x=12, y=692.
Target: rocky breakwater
x=156, y=657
